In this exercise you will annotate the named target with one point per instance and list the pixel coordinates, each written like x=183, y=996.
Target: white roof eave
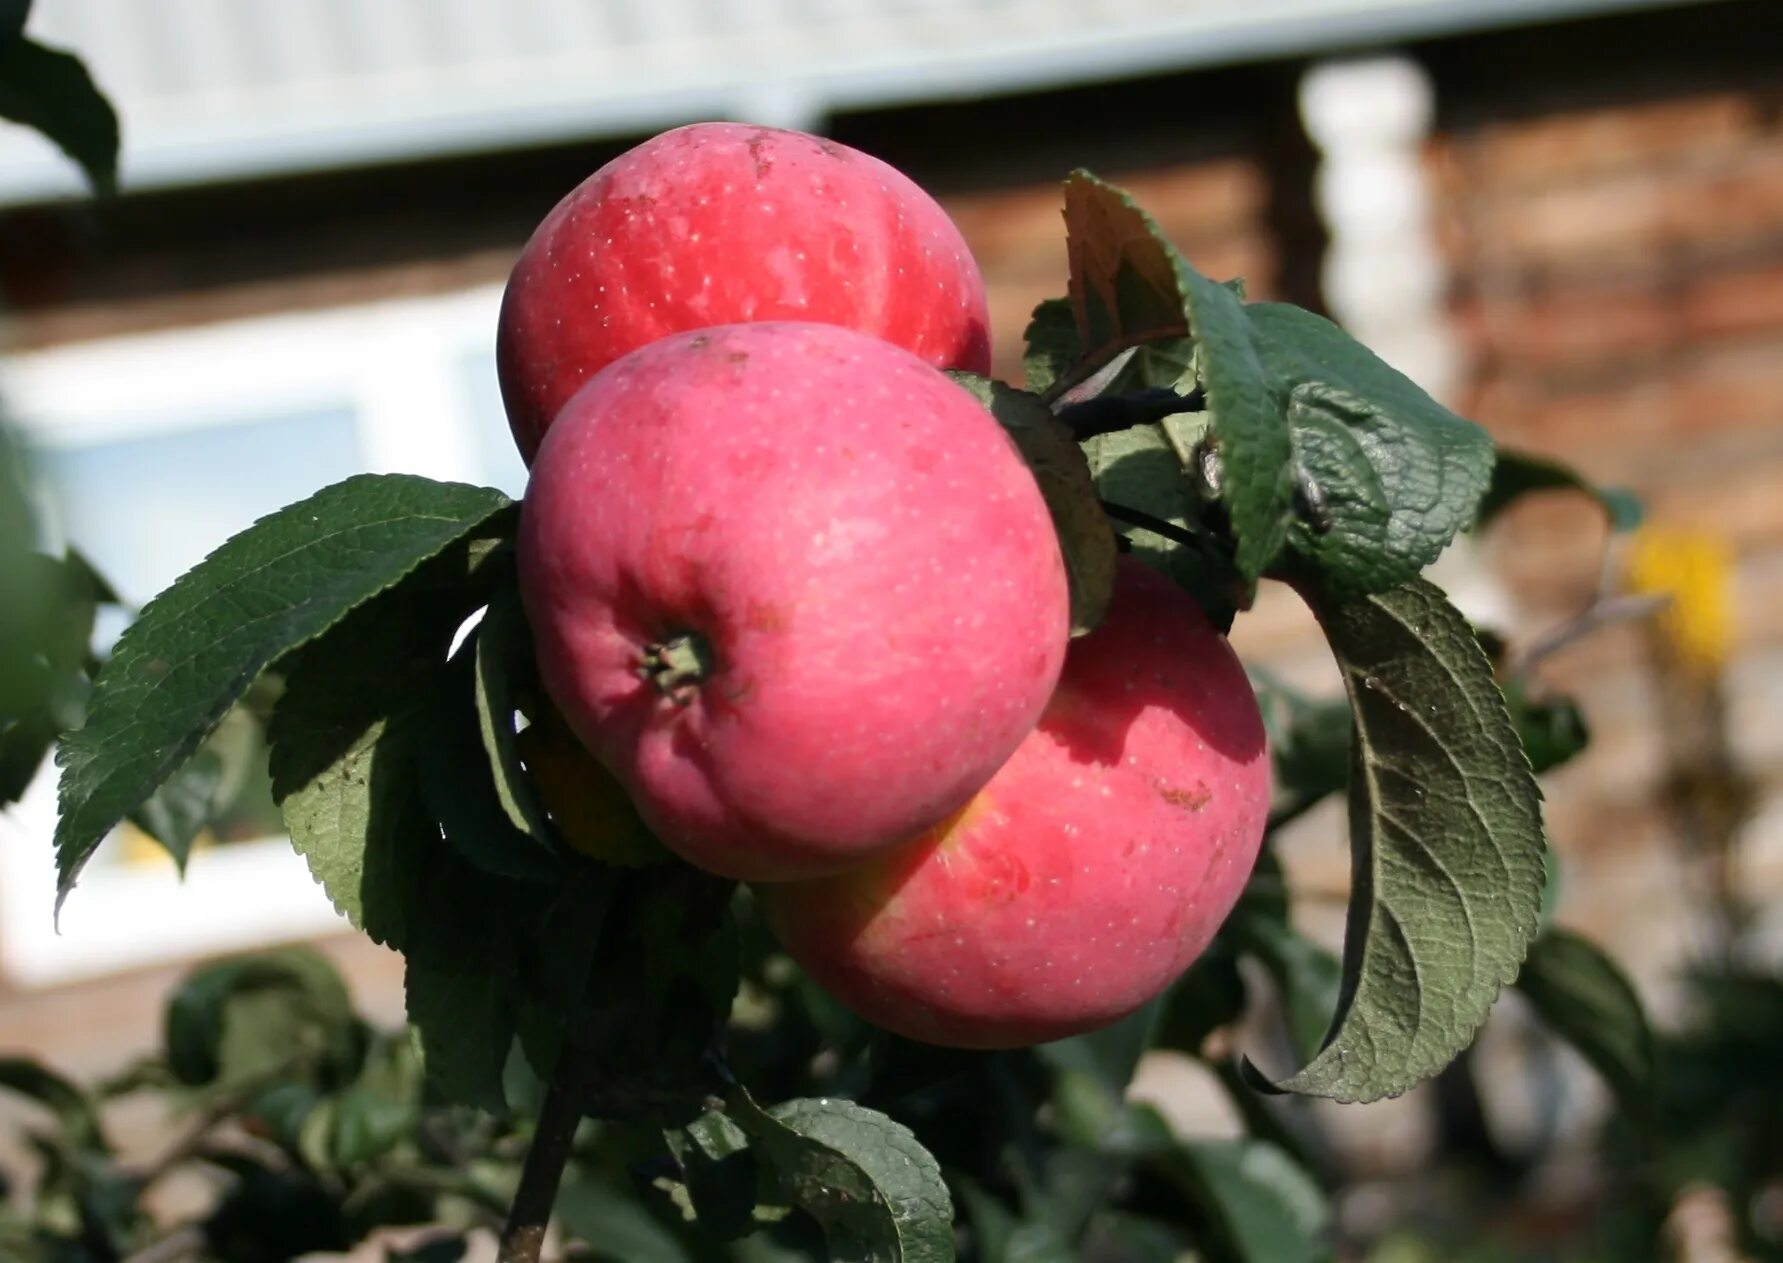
x=339, y=116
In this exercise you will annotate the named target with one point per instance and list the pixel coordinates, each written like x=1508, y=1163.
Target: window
x=152, y=450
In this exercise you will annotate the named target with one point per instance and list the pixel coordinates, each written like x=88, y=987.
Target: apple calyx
x=678, y=665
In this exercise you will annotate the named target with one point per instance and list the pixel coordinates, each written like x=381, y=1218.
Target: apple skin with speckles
x=1090, y=871
x=721, y=223
x=794, y=587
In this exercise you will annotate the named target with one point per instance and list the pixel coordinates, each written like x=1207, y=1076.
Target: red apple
x=720, y=223
x=1091, y=870
x=794, y=587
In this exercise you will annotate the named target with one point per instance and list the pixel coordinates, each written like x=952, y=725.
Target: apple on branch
x=795, y=587
x=1091, y=870
x=721, y=223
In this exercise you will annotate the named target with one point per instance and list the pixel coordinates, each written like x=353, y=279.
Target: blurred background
x=1562, y=217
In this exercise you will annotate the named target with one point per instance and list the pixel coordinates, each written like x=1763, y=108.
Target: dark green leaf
x=1211, y=994
x=1109, y=1055
x=379, y=1110
x=345, y=736
x=200, y=644
x=73, y=1109
x=1308, y=979
x=1124, y=274
x=23, y=746
x=504, y=651
x=614, y=1227
x=12, y=17
x=1517, y=474
x=1123, y=1238
x=52, y=92
x=1309, y=742
x=1053, y=344
x=1553, y=730
x=269, y=1216
x=1398, y=474
x=347, y=739
x=1249, y=430
x=719, y=1171
x=178, y=811
x=1587, y=1000
x=239, y=1020
x=449, y=1248
x=206, y=785
x=461, y=788
x=1446, y=843
x=1143, y=468
x=1052, y=454
x=877, y=1192
x=1260, y=1205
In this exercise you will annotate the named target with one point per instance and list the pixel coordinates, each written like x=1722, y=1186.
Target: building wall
x=1610, y=200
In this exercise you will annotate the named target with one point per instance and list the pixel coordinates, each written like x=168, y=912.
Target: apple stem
x=678, y=664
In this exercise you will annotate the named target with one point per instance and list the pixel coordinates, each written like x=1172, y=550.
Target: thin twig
x=187, y=1144
x=530, y=1215
x=1156, y=525
x=1107, y=414
x=1602, y=612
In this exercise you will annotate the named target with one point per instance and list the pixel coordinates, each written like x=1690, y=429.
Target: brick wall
x=1614, y=232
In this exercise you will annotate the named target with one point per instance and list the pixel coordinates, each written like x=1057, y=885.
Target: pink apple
x=1088, y=874
x=720, y=223
x=794, y=587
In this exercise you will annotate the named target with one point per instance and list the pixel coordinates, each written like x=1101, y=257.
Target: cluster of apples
x=795, y=588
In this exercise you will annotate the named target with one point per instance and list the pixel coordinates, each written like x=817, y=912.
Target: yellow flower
x=1693, y=568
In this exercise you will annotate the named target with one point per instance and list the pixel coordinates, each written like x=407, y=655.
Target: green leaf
x=1124, y=274
x=189, y=800
x=1517, y=474
x=23, y=746
x=1309, y=742
x=1085, y=538
x=200, y=644
x=1123, y=1238
x=176, y=813
x=1142, y=468
x=380, y=1109
x=614, y=1226
x=1209, y=995
x=447, y=1248
x=1588, y=1001
x=877, y=1192
x=347, y=738
x=1110, y=1055
x=461, y=789
x=719, y=1171
x=1553, y=730
x=1398, y=473
x=73, y=1109
x=52, y=92
x=1260, y=1206
x=504, y=652
x=1446, y=844
x=1308, y=979
x=238, y=1020
x=346, y=733
x=1053, y=344
x=1249, y=430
